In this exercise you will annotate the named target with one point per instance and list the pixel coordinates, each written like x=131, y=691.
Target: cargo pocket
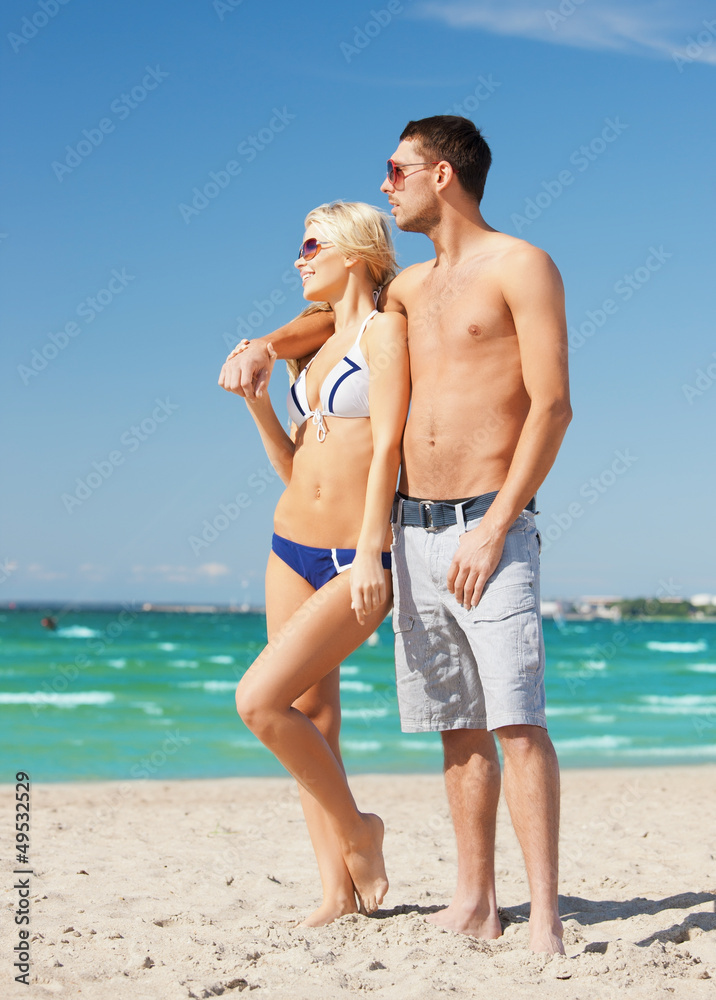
x=402, y=622
x=496, y=605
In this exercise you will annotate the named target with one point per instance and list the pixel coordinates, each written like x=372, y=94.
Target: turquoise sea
x=129, y=694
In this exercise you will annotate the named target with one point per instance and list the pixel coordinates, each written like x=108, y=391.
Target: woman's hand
x=368, y=589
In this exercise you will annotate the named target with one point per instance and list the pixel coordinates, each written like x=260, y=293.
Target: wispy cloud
x=643, y=27
x=180, y=574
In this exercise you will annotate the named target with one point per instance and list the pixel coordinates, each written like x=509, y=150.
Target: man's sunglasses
x=395, y=170
x=309, y=248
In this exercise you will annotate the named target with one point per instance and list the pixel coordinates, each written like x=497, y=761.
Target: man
x=490, y=406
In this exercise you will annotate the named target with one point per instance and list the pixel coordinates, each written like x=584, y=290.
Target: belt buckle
x=427, y=515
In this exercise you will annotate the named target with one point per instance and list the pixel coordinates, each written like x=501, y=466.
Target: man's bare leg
x=532, y=793
x=472, y=781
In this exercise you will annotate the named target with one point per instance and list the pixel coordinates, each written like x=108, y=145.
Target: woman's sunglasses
x=309, y=248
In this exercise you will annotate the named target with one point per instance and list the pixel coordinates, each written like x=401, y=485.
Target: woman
x=328, y=576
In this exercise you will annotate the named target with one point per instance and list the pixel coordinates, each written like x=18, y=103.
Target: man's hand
x=479, y=552
x=247, y=369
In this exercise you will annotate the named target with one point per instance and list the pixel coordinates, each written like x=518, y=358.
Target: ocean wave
x=703, y=668
x=184, y=663
x=220, y=659
x=168, y=646
x=706, y=750
x=210, y=686
x=568, y=709
x=349, y=671
x=679, y=699
x=55, y=698
x=361, y=746
x=593, y=743
x=117, y=664
x=418, y=744
x=356, y=686
x=675, y=709
x=150, y=707
x=364, y=713
x=678, y=647
x=594, y=664
x=76, y=632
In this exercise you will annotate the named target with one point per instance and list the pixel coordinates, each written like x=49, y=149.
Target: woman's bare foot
x=364, y=860
x=329, y=911
x=479, y=922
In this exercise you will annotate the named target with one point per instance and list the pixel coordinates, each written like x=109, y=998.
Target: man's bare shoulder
x=415, y=272
x=514, y=256
x=404, y=283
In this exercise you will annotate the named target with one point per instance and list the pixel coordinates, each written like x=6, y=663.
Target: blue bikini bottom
x=317, y=566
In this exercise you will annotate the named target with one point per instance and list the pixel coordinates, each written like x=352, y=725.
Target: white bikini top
x=344, y=392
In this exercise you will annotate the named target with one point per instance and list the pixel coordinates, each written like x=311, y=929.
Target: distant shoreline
x=84, y=607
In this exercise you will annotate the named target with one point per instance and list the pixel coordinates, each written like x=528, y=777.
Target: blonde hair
x=357, y=230
x=292, y=364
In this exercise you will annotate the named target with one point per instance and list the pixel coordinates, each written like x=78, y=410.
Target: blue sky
x=126, y=277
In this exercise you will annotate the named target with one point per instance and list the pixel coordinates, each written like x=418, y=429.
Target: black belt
x=441, y=514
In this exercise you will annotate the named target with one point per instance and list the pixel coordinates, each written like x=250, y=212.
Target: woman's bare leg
x=317, y=637
x=286, y=591
x=321, y=705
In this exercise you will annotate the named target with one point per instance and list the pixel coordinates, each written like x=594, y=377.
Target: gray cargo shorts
x=459, y=668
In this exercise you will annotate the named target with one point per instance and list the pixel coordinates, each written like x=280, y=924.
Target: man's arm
x=391, y=297
x=532, y=288
x=247, y=374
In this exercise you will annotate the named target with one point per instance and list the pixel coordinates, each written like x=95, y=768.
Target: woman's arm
x=279, y=446
x=387, y=355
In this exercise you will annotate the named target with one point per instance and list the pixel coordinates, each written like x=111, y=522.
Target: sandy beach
x=166, y=890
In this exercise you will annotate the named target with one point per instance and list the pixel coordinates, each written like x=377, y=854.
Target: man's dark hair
x=457, y=140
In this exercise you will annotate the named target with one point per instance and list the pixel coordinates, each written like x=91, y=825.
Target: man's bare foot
x=329, y=911
x=364, y=860
x=546, y=935
x=465, y=919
